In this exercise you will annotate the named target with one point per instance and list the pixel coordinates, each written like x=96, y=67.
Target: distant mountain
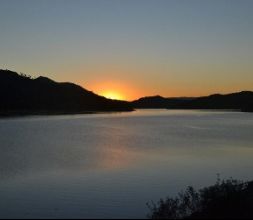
x=20, y=94
x=236, y=101
x=159, y=102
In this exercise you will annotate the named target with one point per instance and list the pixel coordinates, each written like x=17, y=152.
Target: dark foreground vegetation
x=225, y=199
x=21, y=94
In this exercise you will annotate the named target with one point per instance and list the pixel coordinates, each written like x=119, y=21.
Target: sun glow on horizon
x=114, y=89
x=113, y=95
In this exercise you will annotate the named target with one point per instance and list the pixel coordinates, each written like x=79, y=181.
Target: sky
x=132, y=48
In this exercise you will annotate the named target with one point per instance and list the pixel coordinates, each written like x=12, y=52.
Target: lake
x=110, y=165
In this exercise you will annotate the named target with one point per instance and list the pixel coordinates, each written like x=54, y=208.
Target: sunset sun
x=112, y=95
x=126, y=109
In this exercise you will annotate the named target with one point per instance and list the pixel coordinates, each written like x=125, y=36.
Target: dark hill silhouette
x=240, y=100
x=159, y=102
x=20, y=94
x=248, y=108
x=235, y=101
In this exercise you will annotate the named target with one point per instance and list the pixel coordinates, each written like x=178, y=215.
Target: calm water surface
x=110, y=165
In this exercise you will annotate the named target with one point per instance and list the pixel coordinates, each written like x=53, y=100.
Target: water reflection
x=113, y=164
x=32, y=146
x=117, y=141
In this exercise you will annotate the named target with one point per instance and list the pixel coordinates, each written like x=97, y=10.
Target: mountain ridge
x=242, y=101
x=21, y=94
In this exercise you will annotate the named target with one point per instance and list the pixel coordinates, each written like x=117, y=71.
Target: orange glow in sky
x=114, y=90
x=131, y=49
x=113, y=95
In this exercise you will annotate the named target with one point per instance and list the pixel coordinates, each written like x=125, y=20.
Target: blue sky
x=142, y=47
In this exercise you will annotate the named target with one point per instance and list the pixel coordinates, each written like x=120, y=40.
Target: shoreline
x=204, y=109
x=58, y=113
x=16, y=114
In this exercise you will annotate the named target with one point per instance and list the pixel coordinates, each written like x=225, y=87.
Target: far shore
x=55, y=113
x=10, y=114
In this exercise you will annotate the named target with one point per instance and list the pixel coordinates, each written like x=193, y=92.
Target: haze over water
x=110, y=165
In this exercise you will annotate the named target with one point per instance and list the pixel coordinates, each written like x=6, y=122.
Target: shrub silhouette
x=226, y=199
